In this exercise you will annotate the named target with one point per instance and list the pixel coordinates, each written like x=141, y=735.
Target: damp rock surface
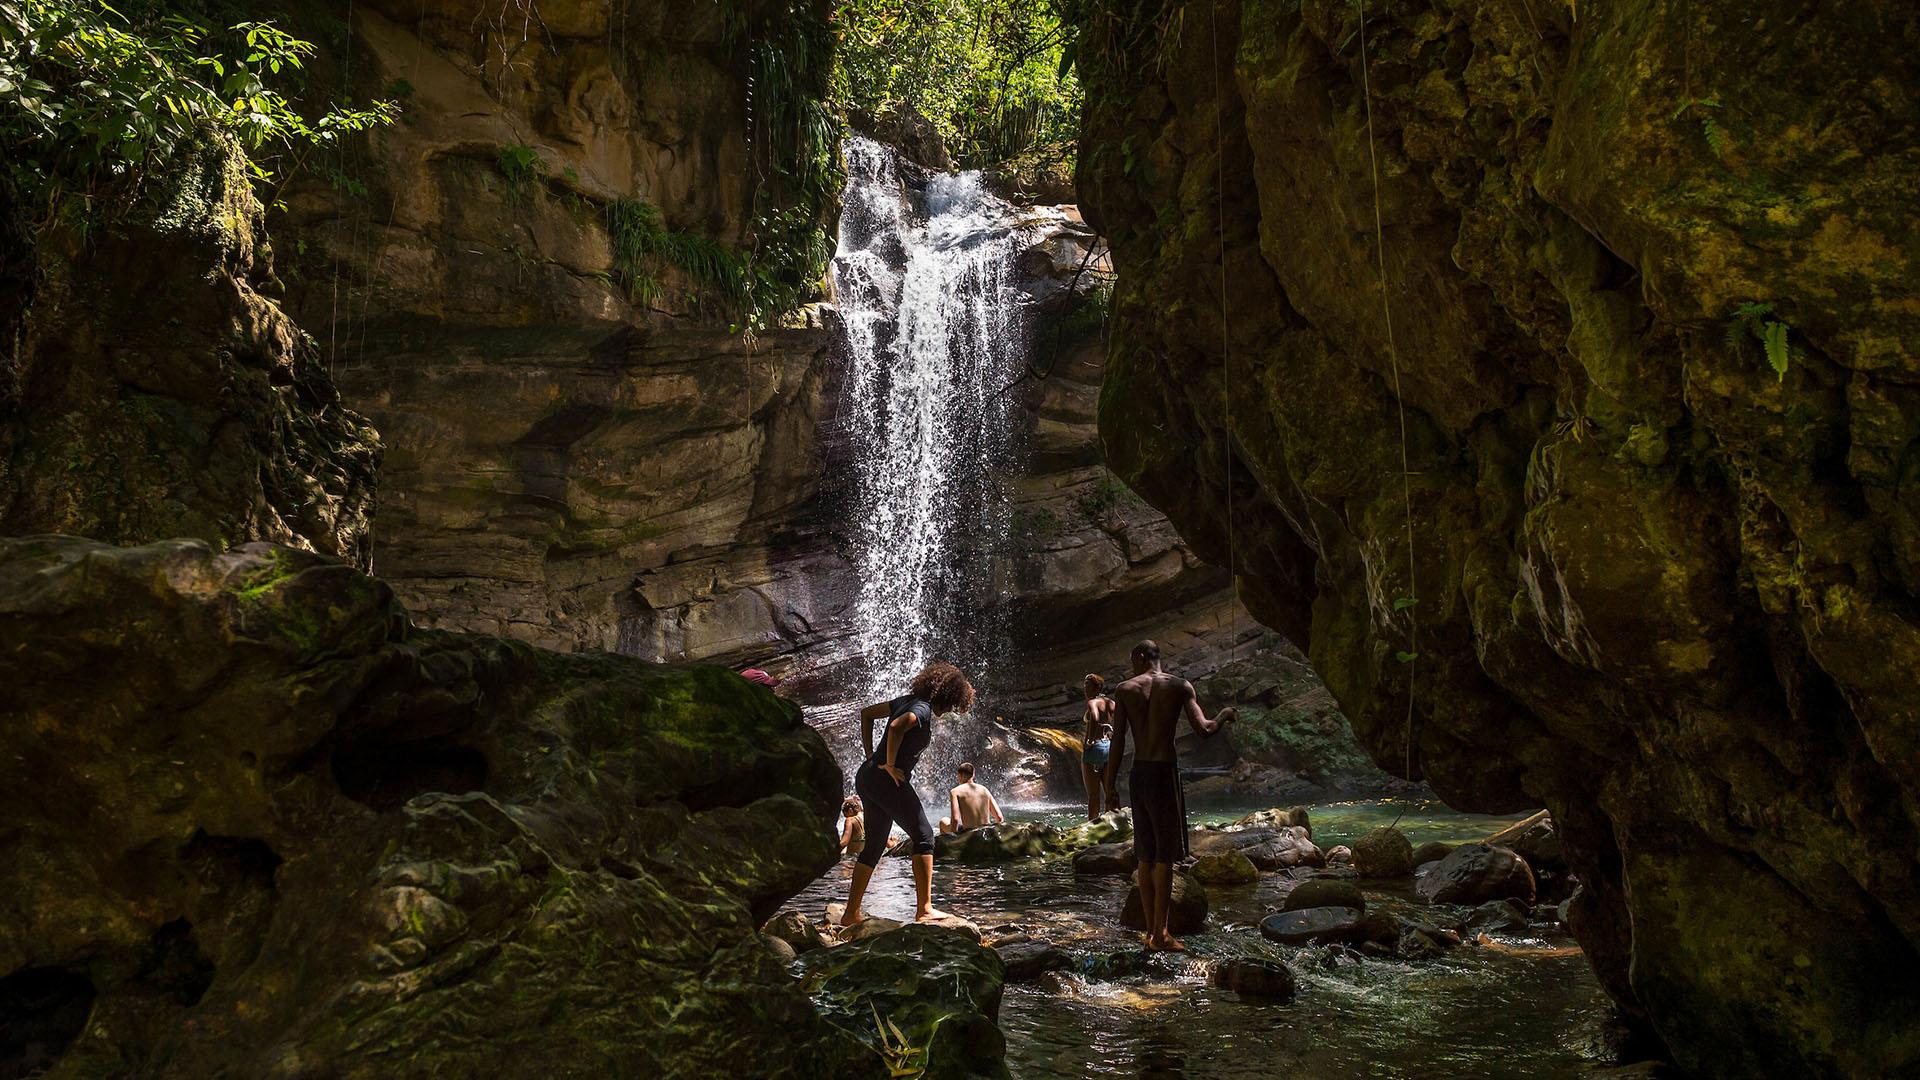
x=280, y=833
x=1640, y=391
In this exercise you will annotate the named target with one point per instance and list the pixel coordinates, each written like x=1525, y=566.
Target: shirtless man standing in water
x=1149, y=707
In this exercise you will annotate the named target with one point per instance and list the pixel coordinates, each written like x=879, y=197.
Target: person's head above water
x=943, y=686
x=1094, y=686
x=1146, y=657
x=964, y=771
x=850, y=805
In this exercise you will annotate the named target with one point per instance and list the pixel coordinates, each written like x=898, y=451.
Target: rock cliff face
x=154, y=391
x=291, y=837
x=1648, y=347
x=517, y=284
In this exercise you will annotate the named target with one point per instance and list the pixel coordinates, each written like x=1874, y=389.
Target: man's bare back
x=973, y=806
x=1150, y=706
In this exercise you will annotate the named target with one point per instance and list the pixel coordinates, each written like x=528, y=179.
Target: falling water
x=925, y=288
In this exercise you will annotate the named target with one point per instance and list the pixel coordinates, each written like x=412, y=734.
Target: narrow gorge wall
x=1662, y=586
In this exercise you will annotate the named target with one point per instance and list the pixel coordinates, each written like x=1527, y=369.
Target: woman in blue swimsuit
x=882, y=780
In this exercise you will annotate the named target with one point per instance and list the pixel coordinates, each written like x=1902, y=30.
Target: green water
x=1527, y=1007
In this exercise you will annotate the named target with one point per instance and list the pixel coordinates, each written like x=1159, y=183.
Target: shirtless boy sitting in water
x=970, y=805
x=1149, y=707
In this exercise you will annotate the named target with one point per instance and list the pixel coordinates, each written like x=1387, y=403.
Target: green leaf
x=1775, y=339
x=1404, y=602
x=1406, y=657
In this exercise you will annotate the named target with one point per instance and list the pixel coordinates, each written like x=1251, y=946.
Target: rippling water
x=1527, y=1007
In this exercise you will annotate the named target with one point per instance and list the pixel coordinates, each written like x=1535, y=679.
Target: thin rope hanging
x=1412, y=655
x=1226, y=343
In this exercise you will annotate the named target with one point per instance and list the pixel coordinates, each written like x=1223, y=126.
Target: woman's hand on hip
x=899, y=777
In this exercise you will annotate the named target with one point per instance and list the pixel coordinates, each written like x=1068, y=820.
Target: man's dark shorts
x=1159, y=812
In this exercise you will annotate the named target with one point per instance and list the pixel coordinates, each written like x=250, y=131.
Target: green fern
x=517, y=163
x=1750, y=322
x=1774, y=337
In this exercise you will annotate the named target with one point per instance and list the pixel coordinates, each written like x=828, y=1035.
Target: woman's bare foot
x=1166, y=943
x=930, y=915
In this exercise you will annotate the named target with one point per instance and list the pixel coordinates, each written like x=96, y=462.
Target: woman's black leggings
x=885, y=804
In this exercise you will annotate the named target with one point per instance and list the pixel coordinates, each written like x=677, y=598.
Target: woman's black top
x=916, y=738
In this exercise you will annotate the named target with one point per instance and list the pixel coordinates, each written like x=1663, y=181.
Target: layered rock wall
x=1644, y=387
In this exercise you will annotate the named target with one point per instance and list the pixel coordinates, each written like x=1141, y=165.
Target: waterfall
x=924, y=281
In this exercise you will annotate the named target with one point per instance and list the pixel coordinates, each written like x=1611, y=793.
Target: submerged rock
x=1340, y=855
x=939, y=988
x=1383, y=853
x=1253, y=977
x=1324, y=892
x=1499, y=915
x=1225, y=868
x=1475, y=873
x=1189, y=914
x=1431, y=851
x=1027, y=958
x=1327, y=925
x=1105, y=859
x=271, y=823
x=998, y=843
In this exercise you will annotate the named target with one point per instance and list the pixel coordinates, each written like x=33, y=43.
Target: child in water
x=853, y=825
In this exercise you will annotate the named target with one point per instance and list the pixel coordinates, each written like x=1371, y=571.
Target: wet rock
x=1327, y=925
x=783, y=952
x=1499, y=916
x=1431, y=851
x=1324, y=892
x=1189, y=914
x=1225, y=868
x=940, y=988
x=1105, y=859
x=1267, y=847
x=874, y=925
x=390, y=851
x=1026, y=958
x=1383, y=853
x=798, y=931
x=1291, y=817
x=998, y=843
x=1341, y=855
x=1475, y=873
x=1253, y=977
x=1112, y=827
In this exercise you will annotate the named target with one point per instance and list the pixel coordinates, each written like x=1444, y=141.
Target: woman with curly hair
x=881, y=781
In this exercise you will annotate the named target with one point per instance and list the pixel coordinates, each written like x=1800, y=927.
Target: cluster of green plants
x=92, y=100
x=994, y=77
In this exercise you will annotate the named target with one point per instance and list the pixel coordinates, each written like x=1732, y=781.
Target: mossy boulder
x=1383, y=853
x=937, y=988
x=1225, y=868
x=256, y=821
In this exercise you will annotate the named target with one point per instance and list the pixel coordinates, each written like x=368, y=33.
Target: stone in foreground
x=1383, y=853
x=1225, y=868
x=939, y=989
x=1326, y=925
x=1325, y=892
x=1476, y=873
x=1253, y=977
x=266, y=829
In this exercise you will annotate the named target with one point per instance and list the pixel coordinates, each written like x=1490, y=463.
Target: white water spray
x=924, y=283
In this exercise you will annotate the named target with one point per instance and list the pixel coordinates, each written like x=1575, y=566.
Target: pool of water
x=1525, y=1006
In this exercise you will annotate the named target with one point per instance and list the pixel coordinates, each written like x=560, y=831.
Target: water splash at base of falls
x=924, y=280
